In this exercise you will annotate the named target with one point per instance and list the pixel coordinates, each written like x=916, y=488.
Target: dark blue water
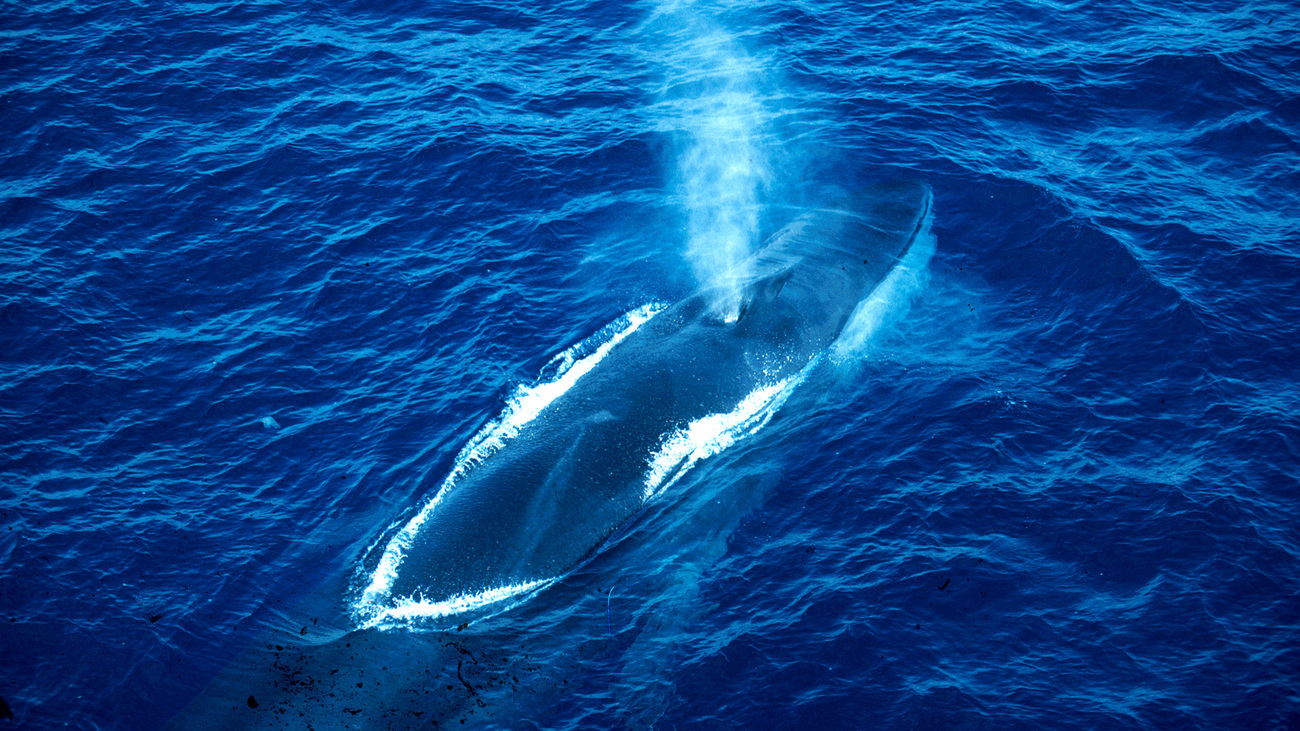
x=1060, y=492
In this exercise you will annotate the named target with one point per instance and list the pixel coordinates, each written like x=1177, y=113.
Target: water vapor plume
x=718, y=119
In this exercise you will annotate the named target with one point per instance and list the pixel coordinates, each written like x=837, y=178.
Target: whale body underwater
x=542, y=488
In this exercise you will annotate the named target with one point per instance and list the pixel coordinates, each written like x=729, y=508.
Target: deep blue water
x=1059, y=492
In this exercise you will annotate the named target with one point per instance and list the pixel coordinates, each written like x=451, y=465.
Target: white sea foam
x=524, y=404
x=712, y=434
x=409, y=609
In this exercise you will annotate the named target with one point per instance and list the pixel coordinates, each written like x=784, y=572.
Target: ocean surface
x=266, y=268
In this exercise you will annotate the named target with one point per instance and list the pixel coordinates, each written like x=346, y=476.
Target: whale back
x=554, y=492
x=816, y=269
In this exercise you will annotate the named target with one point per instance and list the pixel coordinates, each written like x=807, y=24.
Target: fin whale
x=525, y=512
x=532, y=497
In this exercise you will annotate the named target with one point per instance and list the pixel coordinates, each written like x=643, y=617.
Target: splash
x=722, y=169
x=412, y=609
x=710, y=435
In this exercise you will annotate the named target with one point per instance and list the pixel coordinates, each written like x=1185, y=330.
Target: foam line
x=709, y=435
x=412, y=609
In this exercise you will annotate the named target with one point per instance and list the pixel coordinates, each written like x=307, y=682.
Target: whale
x=423, y=636
x=546, y=486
